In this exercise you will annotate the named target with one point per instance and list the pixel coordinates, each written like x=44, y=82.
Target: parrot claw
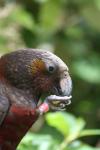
x=55, y=103
x=58, y=103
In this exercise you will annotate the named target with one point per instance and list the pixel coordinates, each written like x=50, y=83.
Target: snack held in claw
x=26, y=75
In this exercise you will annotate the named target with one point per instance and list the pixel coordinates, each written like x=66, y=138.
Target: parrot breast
x=15, y=125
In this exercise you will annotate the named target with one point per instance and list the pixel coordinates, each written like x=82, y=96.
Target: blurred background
x=71, y=29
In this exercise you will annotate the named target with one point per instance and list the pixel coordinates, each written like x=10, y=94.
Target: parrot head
x=38, y=71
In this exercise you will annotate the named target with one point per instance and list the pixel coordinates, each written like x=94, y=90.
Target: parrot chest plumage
x=15, y=125
x=19, y=117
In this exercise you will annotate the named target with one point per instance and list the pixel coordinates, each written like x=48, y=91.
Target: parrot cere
x=25, y=76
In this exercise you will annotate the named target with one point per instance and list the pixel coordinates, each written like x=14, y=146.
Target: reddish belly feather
x=15, y=126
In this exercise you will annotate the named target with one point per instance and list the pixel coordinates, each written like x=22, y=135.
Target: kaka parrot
x=26, y=75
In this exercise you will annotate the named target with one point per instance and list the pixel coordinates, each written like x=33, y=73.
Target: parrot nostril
x=65, y=74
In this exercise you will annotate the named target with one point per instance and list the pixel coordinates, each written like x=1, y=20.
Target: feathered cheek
x=46, y=84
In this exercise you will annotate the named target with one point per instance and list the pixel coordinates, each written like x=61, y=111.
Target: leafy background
x=71, y=29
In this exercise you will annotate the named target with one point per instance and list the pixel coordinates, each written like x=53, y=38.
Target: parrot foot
x=55, y=103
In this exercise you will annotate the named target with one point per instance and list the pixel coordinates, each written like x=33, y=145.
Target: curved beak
x=61, y=93
x=63, y=87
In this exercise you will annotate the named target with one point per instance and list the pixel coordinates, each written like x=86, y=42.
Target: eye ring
x=51, y=69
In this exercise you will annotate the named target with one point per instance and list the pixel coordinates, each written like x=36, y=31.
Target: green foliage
x=65, y=123
x=70, y=127
x=88, y=70
x=23, y=18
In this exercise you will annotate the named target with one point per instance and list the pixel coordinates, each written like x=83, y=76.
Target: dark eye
x=51, y=69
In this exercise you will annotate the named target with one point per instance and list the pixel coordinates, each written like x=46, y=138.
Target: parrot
x=25, y=76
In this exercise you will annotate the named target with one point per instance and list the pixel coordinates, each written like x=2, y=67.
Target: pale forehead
x=56, y=60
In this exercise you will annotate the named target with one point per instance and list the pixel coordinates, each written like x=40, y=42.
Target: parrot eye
x=51, y=69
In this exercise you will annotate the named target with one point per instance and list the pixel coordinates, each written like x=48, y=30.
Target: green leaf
x=37, y=142
x=66, y=123
x=75, y=131
x=78, y=145
x=87, y=70
x=89, y=132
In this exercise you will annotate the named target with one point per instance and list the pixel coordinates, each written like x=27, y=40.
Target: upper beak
x=63, y=87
